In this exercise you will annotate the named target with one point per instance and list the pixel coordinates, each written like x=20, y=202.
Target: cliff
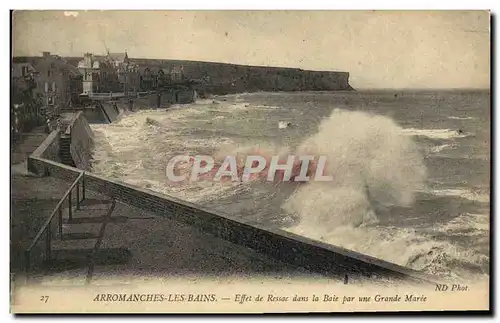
x=222, y=78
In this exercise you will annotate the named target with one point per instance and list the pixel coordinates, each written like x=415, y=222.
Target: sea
x=410, y=169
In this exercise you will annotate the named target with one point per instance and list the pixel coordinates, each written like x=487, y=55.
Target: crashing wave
x=436, y=133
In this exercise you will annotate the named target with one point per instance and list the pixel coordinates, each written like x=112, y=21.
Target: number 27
x=44, y=299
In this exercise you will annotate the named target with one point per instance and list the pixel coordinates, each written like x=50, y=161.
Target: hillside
x=222, y=78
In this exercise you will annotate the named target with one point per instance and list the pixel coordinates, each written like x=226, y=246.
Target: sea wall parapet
x=327, y=260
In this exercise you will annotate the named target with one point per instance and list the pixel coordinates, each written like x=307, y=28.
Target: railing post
x=60, y=223
x=48, y=251
x=70, y=211
x=78, y=195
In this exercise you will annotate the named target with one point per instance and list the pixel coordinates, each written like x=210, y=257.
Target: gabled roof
x=72, y=70
x=60, y=63
x=63, y=64
x=159, y=70
x=143, y=69
x=95, y=61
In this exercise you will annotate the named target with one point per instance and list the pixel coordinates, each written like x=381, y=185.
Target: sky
x=380, y=49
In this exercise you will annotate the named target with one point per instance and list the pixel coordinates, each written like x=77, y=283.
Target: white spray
x=371, y=162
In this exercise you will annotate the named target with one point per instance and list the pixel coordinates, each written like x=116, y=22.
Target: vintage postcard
x=250, y=161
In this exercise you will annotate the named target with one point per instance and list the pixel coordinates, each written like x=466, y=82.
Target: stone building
x=58, y=82
x=24, y=79
x=163, y=78
x=99, y=76
x=117, y=59
x=129, y=77
x=176, y=74
x=23, y=70
x=126, y=70
x=153, y=78
x=147, y=79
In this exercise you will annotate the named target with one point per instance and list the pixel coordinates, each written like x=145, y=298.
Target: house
x=168, y=77
x=147, y=79
x=162, y=78
x=58, y=82
x=24, y=78
x=23, y=70
x=98, y=76
x=152, y=78
x=129, y=77
x=25, y=104
x=117, y=59
x=176, y=74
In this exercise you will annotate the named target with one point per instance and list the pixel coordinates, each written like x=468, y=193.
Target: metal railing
x=58, y=210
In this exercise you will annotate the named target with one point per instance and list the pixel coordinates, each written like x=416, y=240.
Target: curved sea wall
x=327, y=260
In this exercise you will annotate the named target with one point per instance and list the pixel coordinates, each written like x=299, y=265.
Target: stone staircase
x=65, y=150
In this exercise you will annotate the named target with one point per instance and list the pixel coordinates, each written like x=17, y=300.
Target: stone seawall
x=111, y=111
x=72, y=144
x=164, y=99
x=297, y=250
x=49, y=149
x=82, y=141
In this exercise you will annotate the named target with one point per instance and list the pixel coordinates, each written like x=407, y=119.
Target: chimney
x=46, y=54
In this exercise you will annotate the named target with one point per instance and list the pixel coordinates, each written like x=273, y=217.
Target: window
x=50, y=100
x=54, y=86
x=46, y=87
x=25, y=70
x=48, y=73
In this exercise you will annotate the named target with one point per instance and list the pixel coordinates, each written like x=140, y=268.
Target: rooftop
x=118, y=57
